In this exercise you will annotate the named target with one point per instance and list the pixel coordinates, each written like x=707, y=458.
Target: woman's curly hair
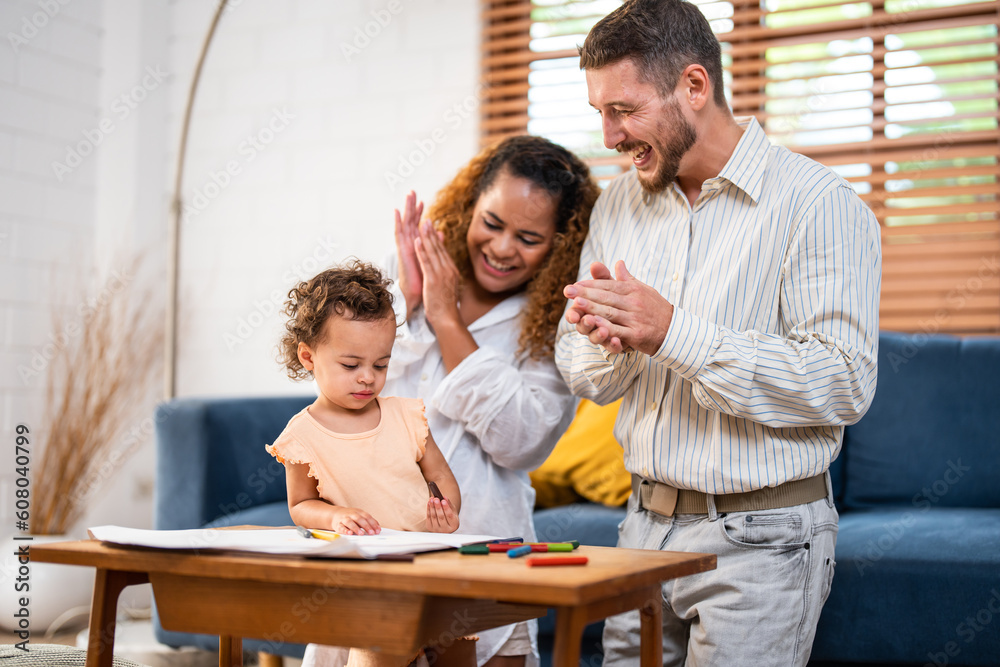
x=567, y=179
x=355, y=290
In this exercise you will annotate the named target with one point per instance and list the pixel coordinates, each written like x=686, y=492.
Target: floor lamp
x=174, y=223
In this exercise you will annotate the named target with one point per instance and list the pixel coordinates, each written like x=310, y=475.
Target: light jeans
x=759, y=607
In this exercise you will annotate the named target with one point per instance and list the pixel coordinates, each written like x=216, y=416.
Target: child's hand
x=441, y=517
x=352, y=521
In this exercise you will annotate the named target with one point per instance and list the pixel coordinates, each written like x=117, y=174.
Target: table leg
x=651, y=630
x=570, y=622
x=108, y=585
x=230, y=651
x=269, y=660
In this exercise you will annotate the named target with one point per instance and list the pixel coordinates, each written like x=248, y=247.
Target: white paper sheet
x=287, y=541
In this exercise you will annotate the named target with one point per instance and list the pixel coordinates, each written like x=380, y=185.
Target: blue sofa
x=917, y=485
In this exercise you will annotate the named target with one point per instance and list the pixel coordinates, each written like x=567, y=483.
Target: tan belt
x=668, y=500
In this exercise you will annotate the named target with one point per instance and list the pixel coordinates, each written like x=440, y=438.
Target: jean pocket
x=755, y=530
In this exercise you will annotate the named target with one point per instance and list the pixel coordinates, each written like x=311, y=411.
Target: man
x=740, y=326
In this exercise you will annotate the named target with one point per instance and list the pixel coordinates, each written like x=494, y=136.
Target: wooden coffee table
x=397, y=607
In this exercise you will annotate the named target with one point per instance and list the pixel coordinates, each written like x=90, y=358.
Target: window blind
x=898, y=96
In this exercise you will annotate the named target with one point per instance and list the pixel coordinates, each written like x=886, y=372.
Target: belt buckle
x=657, y=497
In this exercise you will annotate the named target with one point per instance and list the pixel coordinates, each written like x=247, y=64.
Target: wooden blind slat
x=525, y=57
x=878, y=71
x=962, y=322
x=506, y=44
x=947, y=191
x=742, y=47
x=879, y=23
x=753, y=16
x=505, y=28
x=519, y=106
x=912, y=141
x=923, y=233
x=750, y=101
x=952, y=209
x=498, y=11
x=756, y=64
x=917, y=154
x=880, y=123
x=902, y=302
x=497, y=92
x=928, y=285
x=946, y=252
x=929, y=174
x=504, y=123
x=495, y=76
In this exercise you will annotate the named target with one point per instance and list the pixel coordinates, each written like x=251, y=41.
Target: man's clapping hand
x=618, y=313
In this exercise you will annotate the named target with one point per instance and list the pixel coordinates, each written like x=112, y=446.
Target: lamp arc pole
x=174, y=221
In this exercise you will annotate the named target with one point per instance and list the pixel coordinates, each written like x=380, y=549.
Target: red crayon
x=559, y=560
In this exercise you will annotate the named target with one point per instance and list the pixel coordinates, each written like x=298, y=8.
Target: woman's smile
x=512, y=230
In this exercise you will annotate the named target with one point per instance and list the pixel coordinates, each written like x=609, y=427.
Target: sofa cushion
x=211, y=460
x=588, y=523
x=913, y=586
x=587, y=462
x=932, y=435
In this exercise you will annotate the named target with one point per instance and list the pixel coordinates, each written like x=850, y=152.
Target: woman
x=481, y=295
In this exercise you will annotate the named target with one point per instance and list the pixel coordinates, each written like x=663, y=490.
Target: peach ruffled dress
x=375, y=471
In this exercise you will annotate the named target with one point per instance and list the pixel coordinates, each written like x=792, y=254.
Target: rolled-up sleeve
x=517, y=411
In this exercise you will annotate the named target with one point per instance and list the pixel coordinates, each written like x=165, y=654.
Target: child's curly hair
x=355, y=290
x=567, y=179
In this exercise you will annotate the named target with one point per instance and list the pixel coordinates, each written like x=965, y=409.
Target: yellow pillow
x=586, y=462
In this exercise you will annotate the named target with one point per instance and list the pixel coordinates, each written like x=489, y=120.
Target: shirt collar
x=745, y=168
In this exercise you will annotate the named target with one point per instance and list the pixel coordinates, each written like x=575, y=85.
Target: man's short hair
x=662, y=37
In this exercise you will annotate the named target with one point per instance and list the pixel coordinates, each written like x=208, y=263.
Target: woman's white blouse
x=496, y=416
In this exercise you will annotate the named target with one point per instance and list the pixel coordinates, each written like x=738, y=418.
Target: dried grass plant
x=97, y=386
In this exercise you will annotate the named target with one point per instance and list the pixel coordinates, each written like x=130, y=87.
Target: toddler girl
x=356, y=461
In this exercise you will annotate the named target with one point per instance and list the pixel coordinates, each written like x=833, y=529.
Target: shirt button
x=423, y=378
x=652, y=406
x=676, y=275
x=645, y=472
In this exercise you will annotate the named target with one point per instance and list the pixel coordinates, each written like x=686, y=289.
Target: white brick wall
x=334, y=124
x=49, y=92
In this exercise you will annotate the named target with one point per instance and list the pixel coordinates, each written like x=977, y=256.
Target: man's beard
x=668, y=163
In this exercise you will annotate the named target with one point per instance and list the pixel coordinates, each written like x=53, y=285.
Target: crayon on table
x=540, y=547
x=559, y=560
x=517, y=552
x=328, y=535
x=573, y=544
x=474, y=549
x=324, y=534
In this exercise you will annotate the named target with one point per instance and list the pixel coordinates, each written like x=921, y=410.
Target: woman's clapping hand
x=441, y=278
x=407, y=230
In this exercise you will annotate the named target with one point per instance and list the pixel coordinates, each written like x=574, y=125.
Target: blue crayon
x=519, y=551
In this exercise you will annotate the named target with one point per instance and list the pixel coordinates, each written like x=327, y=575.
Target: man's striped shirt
x=774, y=275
